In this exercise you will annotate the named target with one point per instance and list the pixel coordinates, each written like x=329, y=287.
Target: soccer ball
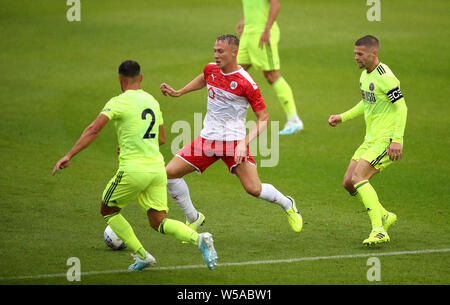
x=112, y=240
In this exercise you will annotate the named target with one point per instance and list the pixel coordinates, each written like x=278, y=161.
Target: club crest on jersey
x=371, y=86
x=211, y=93
x=212, y=76
x=233, y=85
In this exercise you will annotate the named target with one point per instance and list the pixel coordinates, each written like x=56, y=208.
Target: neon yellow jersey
x=382, y=103
x=136, y=116
x=256, y=13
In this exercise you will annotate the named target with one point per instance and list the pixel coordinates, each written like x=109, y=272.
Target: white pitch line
x=276, y=261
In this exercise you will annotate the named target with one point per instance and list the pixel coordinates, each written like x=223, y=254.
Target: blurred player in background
x=141, y=174
x=260, y=35
x=230, y=91
x=385, y=112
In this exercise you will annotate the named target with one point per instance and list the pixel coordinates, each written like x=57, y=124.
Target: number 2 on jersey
x=147, y=134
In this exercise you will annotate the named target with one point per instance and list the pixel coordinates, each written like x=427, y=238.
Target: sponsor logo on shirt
x=368, y=96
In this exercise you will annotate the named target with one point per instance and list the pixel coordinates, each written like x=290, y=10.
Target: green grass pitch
x=57, y=75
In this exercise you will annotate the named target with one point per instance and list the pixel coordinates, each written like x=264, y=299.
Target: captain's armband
x=395, y=94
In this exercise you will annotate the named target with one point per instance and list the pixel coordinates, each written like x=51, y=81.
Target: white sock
x=270, y=193
x=179, y=191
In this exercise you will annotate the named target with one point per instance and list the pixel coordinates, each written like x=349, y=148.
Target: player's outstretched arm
x=196, y=84
x=336, y=119
x=87, y=137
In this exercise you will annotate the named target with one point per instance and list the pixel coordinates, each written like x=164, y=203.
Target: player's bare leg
x=347, y=183
x=107, y=210
x=363, y=171
x=155, y=218
x=179, y=191
x=272, y=76
x=248, y=176
x=178, y=168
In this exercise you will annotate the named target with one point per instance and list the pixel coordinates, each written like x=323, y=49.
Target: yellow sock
x=178, y=230
x=370, y=199
x=125, y=232
x=285, y=97
x=383, y=211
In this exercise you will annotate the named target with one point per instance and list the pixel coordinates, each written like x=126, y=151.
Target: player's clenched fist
x=166, y=89
x=334, y=119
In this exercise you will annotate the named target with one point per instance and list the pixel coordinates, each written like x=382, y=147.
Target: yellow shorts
x=375, y=153
x=266, y=59
x=149, y=188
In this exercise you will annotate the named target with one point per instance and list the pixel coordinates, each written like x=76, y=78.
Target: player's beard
x=362, y=64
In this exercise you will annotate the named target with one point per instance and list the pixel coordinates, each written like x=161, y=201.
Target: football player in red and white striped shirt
x=230, y=91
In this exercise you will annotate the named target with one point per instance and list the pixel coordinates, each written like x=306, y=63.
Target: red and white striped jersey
x=228, y=98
